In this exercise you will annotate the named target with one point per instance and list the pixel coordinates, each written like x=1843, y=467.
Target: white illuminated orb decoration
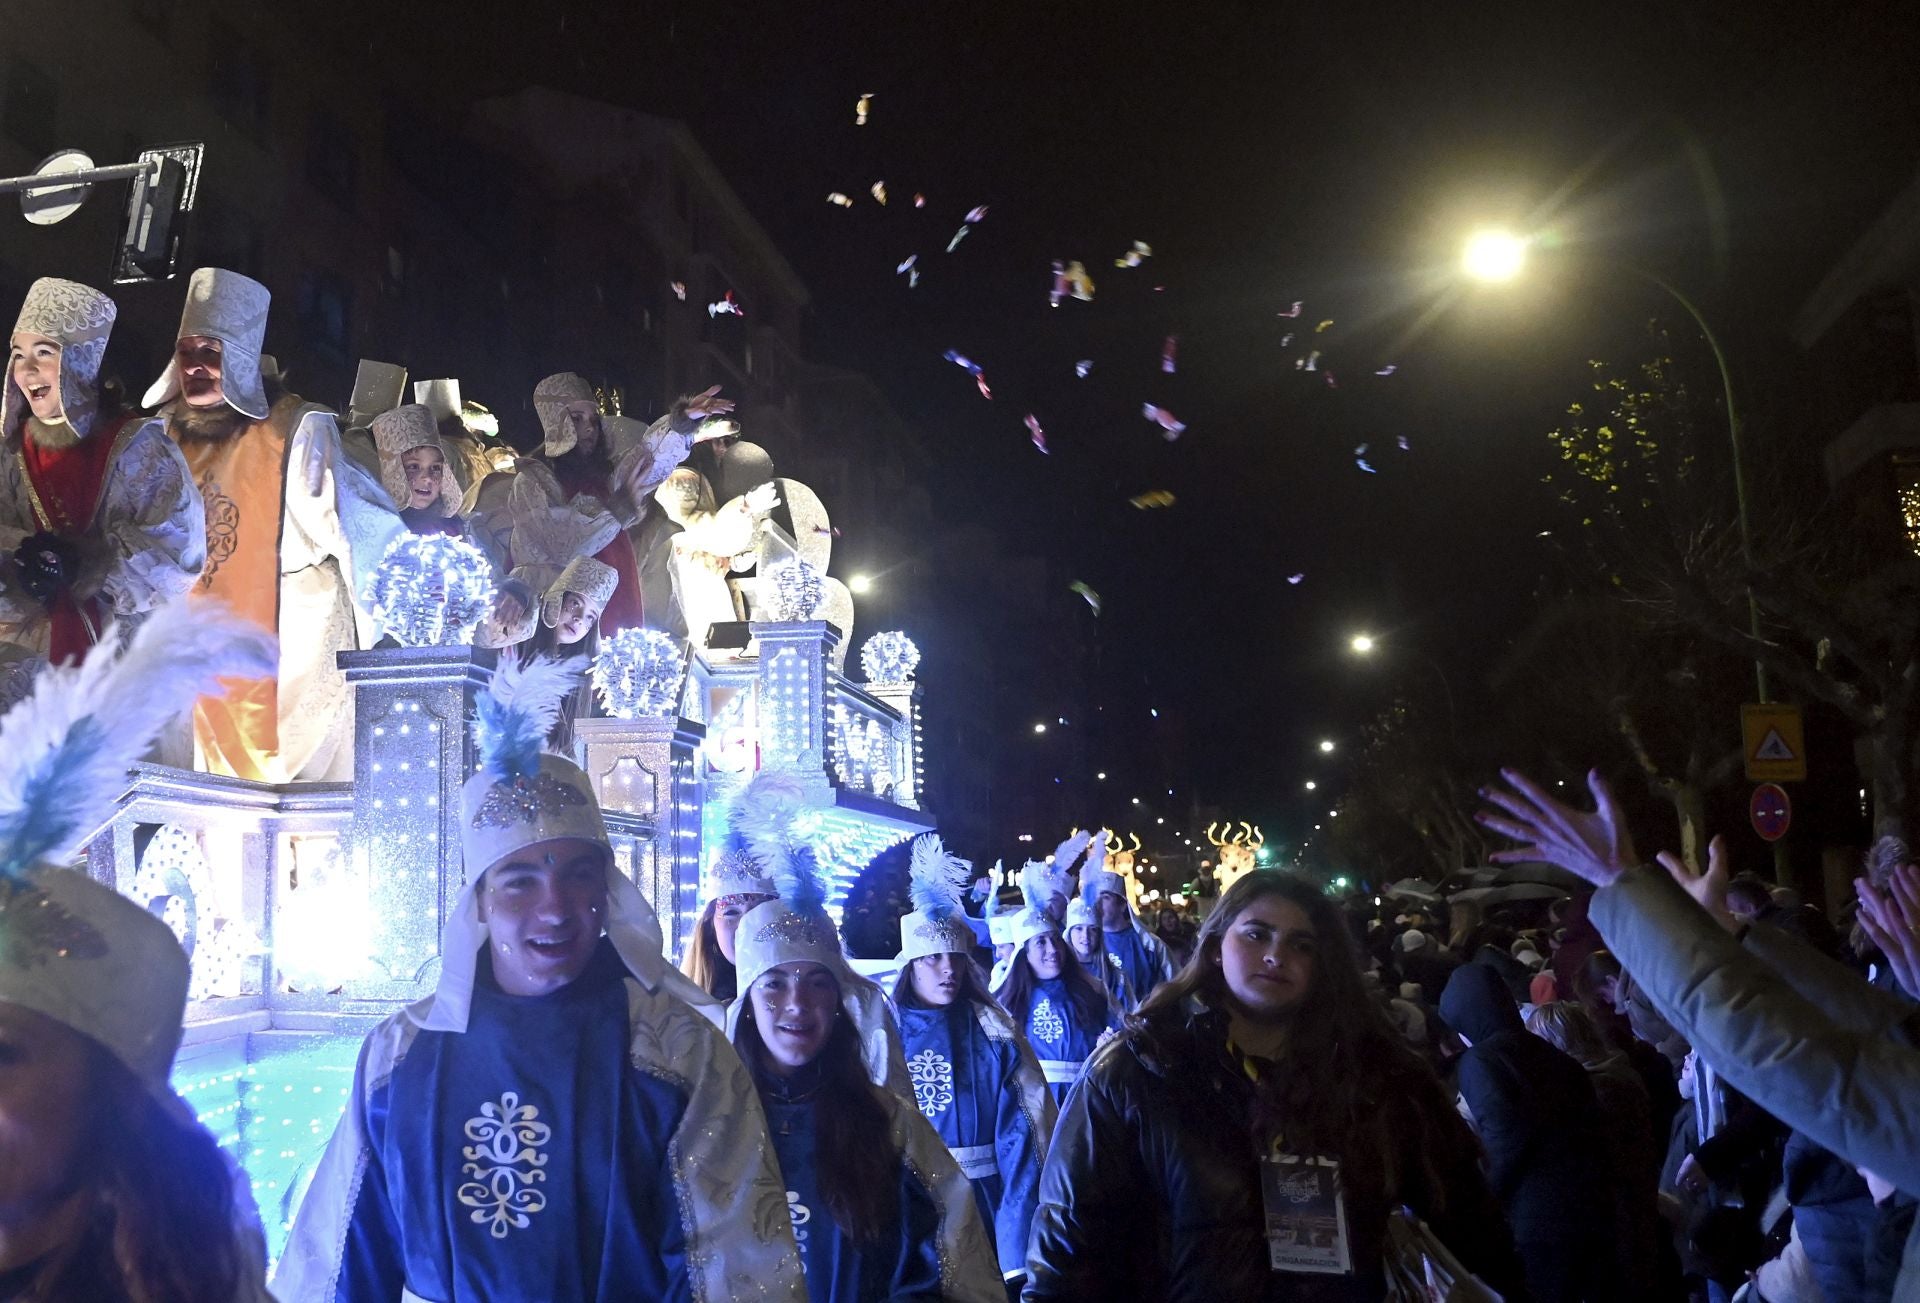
x=637, y=674
x=431, y=590
x=889, y=658
x=795, y=589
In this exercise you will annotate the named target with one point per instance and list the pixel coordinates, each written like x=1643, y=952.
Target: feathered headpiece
x=936, y=878
x=513, y=717
x=65, y=748
x=767, y=815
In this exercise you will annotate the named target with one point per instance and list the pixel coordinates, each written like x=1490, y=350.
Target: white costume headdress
x=71, y=948
x=441, y=397
x=595, y=581
x=398, y=432
x=938, y=924
x=551, y=399
x=1096, y=879
x=521, y=797
x=231, y=308
x=795, y=927
x=999, y=920
x=78, y=318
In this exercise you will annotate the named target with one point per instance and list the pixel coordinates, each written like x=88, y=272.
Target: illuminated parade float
x=312, y=910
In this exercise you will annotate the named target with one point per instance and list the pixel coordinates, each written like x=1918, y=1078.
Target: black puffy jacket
x=1152, y=1188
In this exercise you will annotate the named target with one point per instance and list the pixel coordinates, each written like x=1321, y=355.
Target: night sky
x=1269, y=152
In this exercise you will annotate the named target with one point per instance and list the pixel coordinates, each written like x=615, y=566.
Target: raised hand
x=1595, y=847
x=708, y=403
x=1708, y=889
x=1892, y=919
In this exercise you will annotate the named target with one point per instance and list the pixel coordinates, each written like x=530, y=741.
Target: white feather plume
x=513, y=717
x=765, y=815
x=66, y=748
x=936, y=877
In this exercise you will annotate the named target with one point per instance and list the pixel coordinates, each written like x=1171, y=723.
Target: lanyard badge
x=1306, y=1214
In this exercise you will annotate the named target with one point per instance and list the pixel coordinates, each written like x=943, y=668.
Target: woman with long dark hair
x=1063, y=1009
x=110, y=1190
x=974, y=1077
x=880, y=1210
x=1249, y=1135
x=734, y=886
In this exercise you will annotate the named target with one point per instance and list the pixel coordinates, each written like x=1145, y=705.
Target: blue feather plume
x=936, y=877
x=767, y=815
x=513, y=717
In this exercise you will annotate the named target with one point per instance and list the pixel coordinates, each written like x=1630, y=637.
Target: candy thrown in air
x=879, y=192
x=1038, y=435
x=1167, y=351
x=1083, y=368
x=726, y=307
x=837, y=198
x=1134, y=256
x=977, y=215
x=1092, y=598
x=1293, y=311
x=862, y=107
x=958, y=236
x=1387, y=370
x=1152, y=498
x=679, y=290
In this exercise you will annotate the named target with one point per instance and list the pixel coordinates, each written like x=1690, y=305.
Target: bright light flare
x=1361, y=643
x=860, y=584
x=1494, y=255
x=1326, y=745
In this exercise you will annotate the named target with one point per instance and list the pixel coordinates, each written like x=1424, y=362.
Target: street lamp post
x=1497, y=256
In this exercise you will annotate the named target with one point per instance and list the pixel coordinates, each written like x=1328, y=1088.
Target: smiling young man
x=558, y=1121
x=96, y=505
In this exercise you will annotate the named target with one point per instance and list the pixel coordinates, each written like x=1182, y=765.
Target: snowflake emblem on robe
x=932, y=1078
x=799, y=1214
x=505, y=1162
x=1046, y=1024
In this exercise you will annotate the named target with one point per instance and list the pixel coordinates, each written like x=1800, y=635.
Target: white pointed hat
x=78, y=318
x=938, y=924
x=231, y=308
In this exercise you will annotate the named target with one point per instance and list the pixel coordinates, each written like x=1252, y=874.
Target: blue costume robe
x=902, y=1262
x=541, y=1154
x=982, y=1091
x=1143, y=958
x=1105, y=965
x=1059, y=1040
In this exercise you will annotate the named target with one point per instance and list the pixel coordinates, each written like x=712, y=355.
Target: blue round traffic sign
x=1771, y=811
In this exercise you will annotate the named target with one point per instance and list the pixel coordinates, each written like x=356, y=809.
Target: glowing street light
x=1312, y=786
x=860, y=583
x=1494, y=255
x=1362, y=643
x=1136, y=800
x=1326, y=745
x=1102, y=775
x=1039, y=728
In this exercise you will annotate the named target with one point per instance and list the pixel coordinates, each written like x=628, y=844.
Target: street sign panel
x=1771, y=811
x=1774, y=740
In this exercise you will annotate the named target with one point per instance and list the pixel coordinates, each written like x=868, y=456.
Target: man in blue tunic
x=1143, y=956
x=558, y=1121
x=974, y=1076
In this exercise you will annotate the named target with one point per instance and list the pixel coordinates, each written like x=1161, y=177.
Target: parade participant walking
x=1087, y=940
x=110, y=1190
x=96, y=506
x=734, y=885
x=557, y=1121
x=1142, y=955
x=1263, y=1067
x=1063, y=1008
x=294, y=529
x=974, y=1076
x=879, y=1207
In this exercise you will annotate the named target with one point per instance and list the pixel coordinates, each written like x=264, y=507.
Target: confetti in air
x=1323, y=326
x=1038, y=435
x=958, y=236
x=1151, y=499
x=1134, y=256
x=861, y=108
x=1387, y=370
x=1167, y=353
x=837, y=198
x=1160, y=416
x=879, y=192
x=680, y=290
x=1296, y=580
x=1092, y=598
x=1083, y=368
x=726, y=307
x=1293, y=311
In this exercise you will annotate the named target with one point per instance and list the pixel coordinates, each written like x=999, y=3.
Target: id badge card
x=1306, y=1215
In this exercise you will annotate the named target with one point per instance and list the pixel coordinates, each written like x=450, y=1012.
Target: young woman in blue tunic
x=1064, y=1010
x=879, y=1207
x=974, y=1077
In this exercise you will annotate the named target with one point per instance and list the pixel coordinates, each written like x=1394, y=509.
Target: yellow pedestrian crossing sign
x=1775, y=743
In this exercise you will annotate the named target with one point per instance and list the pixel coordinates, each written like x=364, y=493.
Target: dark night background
x=1269, y=153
